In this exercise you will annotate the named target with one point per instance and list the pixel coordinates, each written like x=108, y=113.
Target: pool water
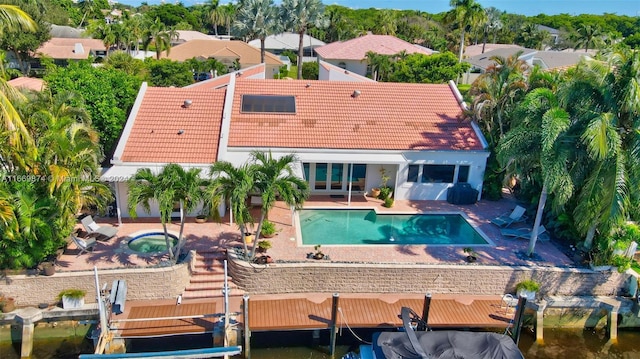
x=362, y=226
x=151, y=242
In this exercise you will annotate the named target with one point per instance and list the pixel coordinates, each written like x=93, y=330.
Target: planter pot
x=201, y=219
x=263, y=260
x=375, y=192
x=602, y=268
x=318, y=256
x=8, y=305
x=49, y=269
x=471, y=259
x=248, y=238
x=530, y=295
x=72, y=303
x=267, y=235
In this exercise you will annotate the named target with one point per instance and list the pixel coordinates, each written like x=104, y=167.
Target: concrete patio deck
x=210, y=236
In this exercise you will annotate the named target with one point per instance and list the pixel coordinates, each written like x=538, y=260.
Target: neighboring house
x=229, y=53
x=64, y=49
x=553, y=33
x=344, y=134
x=253, y=72
x=28, y=83
x=351, y=55
x=65, y=31
x=475, y=50
x=276, y=44
x=329, y=72
x=188, y=35
x=547, y=60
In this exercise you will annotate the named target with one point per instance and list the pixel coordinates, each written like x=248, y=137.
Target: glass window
x=306, y=169
x=438, y=173
x=463, y=174
x=413, y=173
x=336, y=175
x=321, y=176
x=358, y=177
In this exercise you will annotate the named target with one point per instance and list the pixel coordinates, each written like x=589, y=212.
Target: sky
x=523, y=7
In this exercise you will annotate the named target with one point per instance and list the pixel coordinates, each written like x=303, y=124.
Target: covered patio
x=212, y=236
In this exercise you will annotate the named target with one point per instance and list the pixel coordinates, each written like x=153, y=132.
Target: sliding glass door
x=335, y=177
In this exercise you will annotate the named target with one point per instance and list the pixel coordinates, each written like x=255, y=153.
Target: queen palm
x=465, y=13
x=257, y=19
x=232, y=185
x=172, y=185
x=539, y=148
x=588, y=36
x=275, y=178
x=13, y=18
x=158, y=35
x=299, y=16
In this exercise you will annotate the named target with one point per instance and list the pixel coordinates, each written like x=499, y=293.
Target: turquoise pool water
x=361, y=226
x=152, y=242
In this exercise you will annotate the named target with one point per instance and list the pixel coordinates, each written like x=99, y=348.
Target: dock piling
x=540, y=322
x=612, y=324
x=522, y=301
x=334, y=321
x=28, y=317
x=247, y=331
x=425, y=312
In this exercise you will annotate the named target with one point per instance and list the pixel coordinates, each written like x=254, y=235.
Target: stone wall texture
x=316, y=276
x=142, y=283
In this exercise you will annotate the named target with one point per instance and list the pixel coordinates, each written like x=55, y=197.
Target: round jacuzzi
x=150, y=242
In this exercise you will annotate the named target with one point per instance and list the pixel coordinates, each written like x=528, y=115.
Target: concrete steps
x=207, y=280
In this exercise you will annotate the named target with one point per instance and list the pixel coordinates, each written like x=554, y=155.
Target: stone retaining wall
x=142, y=283
x=318, y=276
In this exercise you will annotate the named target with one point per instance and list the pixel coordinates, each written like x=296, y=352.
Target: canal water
x=564, y=343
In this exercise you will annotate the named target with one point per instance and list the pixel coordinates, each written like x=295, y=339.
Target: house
x=276, y=44
x=329, y=72
x=64, y=49
x=27, y=83
x=554, y=34
x=345, y=134
x=188, y=35
x=546, y=60
x=351, y=55
x=475, y=50
x=231, y=53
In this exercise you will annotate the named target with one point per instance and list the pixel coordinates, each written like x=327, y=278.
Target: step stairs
x=207, y=279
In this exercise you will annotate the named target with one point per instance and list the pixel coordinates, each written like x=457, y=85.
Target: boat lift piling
x=517, y=324
x=247, y=331
x=422, y=326
x=334, y=321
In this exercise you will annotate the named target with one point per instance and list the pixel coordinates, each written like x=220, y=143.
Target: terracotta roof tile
x=64, y=48
x=384, y=116
x=162, y=115
x=30, y=83
x=356, y=49
x=221, y=81
x=248, y=55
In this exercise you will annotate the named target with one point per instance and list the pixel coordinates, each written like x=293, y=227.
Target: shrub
x=529, y=285
x=385, y=193
x=388, y=202
x=268, y=228
x=264, y=245
x=72, y=293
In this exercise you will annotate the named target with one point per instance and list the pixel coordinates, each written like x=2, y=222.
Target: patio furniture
x=92, y=227
x=83, y=244
x=507, y=219
x=525, y=233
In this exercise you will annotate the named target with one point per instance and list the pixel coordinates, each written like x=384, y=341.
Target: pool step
x=207, y=279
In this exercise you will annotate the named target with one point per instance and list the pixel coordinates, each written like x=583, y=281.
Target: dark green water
x=559, y=344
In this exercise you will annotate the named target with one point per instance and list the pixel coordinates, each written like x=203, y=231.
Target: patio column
x=118, y=204
x=350, y=182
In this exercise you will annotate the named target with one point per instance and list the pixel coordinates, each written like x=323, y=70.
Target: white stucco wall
x=355, y=66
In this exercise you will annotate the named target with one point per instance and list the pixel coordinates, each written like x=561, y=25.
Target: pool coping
x=298, y=228
x=124, y=243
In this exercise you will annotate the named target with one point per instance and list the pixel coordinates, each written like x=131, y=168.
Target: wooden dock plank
x=153, y=327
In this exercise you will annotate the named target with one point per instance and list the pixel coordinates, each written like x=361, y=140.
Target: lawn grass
x=293, y=72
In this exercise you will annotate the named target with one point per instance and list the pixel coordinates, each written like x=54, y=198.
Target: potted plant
x=472, y=255
x=527, y=288
x=7, y=304
x=388, y=202
x=48, y=268
x=318, y=253
x=268, y=229
x=72, y=298
x=377, y=192
x=264, y=245
x=203, y=215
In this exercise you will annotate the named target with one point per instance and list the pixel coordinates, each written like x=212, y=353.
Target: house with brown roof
x=64, y=49
x=351, y=55
x=229, y=52
x=345, y=134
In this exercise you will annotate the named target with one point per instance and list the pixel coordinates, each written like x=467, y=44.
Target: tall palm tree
x=275, y=178
x=299, y=16
x=588, y=35
x=492, y=24
x=539, y=147
x=13, y=18
x=158, y=34
x=465, y=13
x=103, y=31
x=257, y=19
x=172, y=185
x=232, y=185
x=532, y=37
x=386, y=23
x=380, y=65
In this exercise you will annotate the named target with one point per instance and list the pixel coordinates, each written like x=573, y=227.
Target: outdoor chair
x=524, y=233
x=84, y=244
x=103, y=231
x=507, y=219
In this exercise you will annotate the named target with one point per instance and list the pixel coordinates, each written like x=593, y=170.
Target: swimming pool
x=150, y=242
x=365, y=226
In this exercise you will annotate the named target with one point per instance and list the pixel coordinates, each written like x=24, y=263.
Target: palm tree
x=492, y=24
x=13, y=18
x=257, y=19
x=105, y=32
x=539, y=148
x=386, y=23
x=605, y=96
x=275, y=178
x=465, y=13
x=532, y=37
x=299, y=16
x=158, y=34
x=588, y=35
x=172, y=185
x=380, y=65
x=233, y=185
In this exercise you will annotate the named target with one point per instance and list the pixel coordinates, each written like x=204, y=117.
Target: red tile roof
x=223, y=80
x=30, y=83
x=384, y=116
x=155, y=136
x=65, y=48
x=356, y=49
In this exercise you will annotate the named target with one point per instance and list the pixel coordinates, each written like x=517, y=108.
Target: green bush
x=385, y=193
x=529, y=285
x=264, y=245
x=388, y=202
x=72, y=293
x=268, y=228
